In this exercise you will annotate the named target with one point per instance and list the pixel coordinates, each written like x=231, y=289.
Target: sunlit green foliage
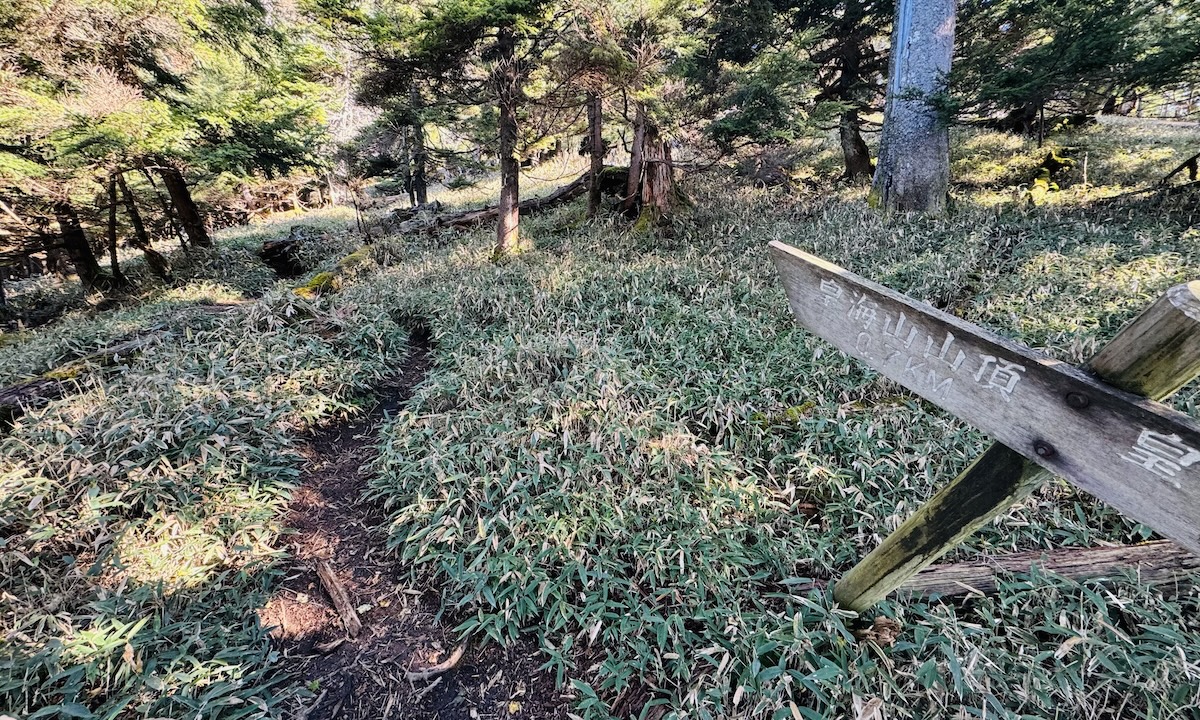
x=1070, y=58
x=624, y=434
x=95, y=89
x=140, y=518
x=619, y=432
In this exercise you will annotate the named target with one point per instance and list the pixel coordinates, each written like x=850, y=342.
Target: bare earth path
x=364, y=676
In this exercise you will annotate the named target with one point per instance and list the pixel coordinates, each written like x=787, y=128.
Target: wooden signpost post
x=1099, y=427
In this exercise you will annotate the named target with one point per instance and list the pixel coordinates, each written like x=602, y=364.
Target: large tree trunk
x=118, y=278
x=659, y=194
x=634, y=185
x=508, y=86
x=185, y=207
x=913, y=173
x=850, y=48
x=854, y=148
x=141, y=239
x=168, y=210
x=419, y=153
x=75, y=242
x=407, y=166
x=595, y=108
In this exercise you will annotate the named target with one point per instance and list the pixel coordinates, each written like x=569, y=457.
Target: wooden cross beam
x=1099, y=427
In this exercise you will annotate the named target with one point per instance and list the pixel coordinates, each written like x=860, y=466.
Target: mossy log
x=331, y=281
x=56, y=383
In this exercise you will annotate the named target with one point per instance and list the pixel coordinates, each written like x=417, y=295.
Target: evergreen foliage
x=1021, y=59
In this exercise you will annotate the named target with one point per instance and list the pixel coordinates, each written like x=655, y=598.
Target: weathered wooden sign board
x=1136, y=454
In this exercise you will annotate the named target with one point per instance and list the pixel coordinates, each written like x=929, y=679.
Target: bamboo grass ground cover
x=617, y=452
x=620, y=429
x=140, y=523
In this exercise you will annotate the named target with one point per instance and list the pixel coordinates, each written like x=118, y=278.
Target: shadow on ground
x=364, y=676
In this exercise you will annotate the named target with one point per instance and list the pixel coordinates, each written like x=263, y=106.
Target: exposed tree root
x=442, y=667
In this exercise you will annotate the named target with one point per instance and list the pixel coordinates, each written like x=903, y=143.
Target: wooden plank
x=997, y=480
x=1138, y=455
x=1159, y=351
x=1001, y=477
x=1152, y=562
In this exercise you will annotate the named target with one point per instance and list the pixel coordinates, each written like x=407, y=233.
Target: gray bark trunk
x=634, y=185
x=659, y=194
x=77, y=245
x=854, y=148
x=167, y=208
x=508, y=81
x=141, y=239
x=185, y=207
x=420, y=185
x=118, y=278
x=407, y=166
x=913, y=172
x=595, y=106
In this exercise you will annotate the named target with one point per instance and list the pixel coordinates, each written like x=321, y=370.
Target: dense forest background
x=145, y=125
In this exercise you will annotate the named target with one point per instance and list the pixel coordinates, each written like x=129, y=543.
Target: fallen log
x=280, y=254
x=331, y=281
x=467, y=218
x=16, y=400
x=1192, y=165
x=1160, y=561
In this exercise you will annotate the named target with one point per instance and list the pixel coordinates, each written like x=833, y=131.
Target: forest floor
x=365, y=676
x=611, y=469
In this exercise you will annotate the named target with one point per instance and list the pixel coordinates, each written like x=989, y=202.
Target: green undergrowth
x=617, y=451
x=140, y=518
x=619, y=432
x=1116, y=152
x=229, y=271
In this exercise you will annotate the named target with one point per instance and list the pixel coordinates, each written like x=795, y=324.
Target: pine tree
x=465, y=53
x=796, y=67
x=1027, y=64
x=188, y=91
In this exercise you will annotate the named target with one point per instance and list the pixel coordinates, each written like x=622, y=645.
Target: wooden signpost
x=1100, y=427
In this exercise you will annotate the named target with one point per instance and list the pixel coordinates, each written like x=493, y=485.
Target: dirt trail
x=364, y=677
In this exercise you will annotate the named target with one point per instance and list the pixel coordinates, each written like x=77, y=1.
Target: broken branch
x=440, y=668
x=341, y=599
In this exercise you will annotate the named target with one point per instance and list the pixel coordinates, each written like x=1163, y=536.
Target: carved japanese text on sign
x=1138, y=455
x=934, y=363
